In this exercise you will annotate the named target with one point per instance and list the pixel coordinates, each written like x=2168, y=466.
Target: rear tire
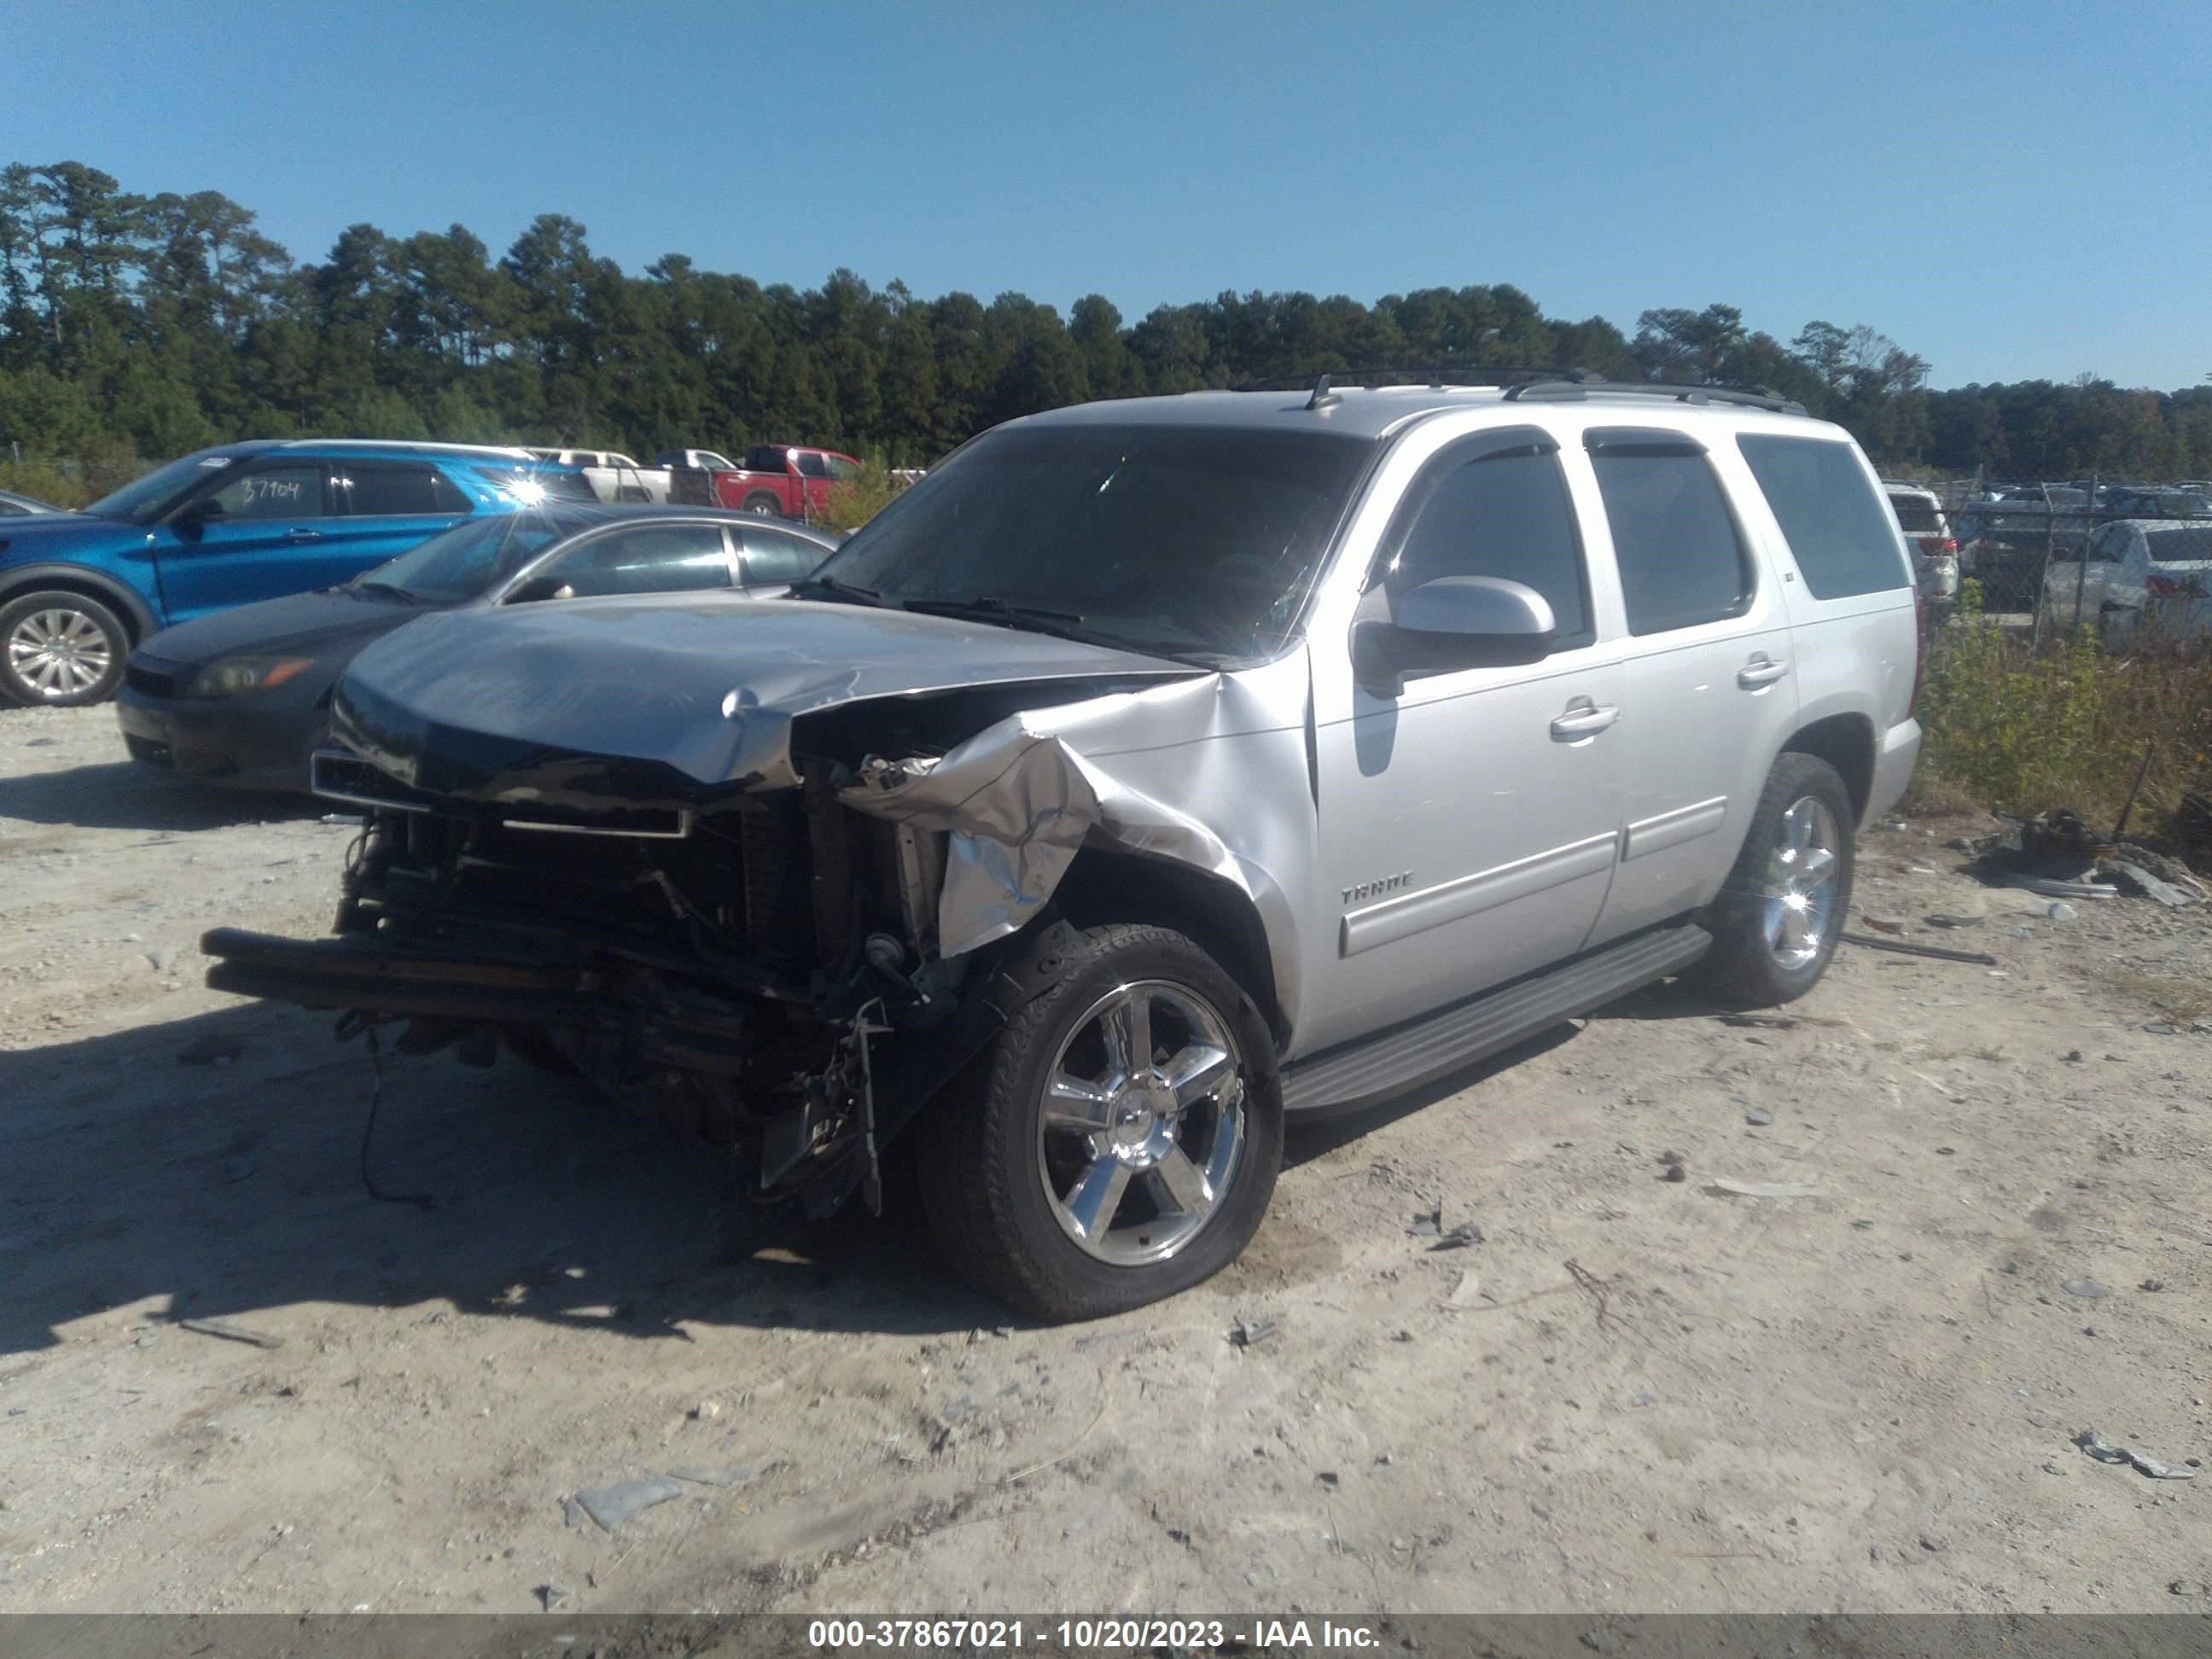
x=1069, y=1179
x=1776, y=923
x=765, y=505
x=60, y=650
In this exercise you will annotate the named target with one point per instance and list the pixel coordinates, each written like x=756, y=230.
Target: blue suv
x=228, y=526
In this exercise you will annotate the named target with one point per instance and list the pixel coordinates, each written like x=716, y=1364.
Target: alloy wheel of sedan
x=1142, y=1127
x=1801, y=888
x=56, y=652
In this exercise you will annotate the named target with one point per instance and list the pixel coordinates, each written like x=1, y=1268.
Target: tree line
x=133, y=328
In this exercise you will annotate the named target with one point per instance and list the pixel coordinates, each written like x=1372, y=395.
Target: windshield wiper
x=989, y=607
x=391, y=588
x=832, y=586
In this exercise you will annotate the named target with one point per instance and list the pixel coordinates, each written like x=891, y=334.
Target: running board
x=1373, y=1069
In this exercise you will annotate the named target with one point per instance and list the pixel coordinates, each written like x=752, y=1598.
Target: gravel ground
x=232, y=1379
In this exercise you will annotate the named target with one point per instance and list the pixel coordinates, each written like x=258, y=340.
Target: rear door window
x=1682, y=560
x=813, y=465
x=383, y=490
x=650, y=559
x=771, y=558
x=1503, y=513
x=1829, y=514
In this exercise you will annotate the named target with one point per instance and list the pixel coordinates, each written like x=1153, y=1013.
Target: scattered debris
x=1250, y=1334
x=609, y=1506
x=2060, y=910
x=1647, y=1398
x=2087, y=1289
x=2133, y=878
x=1759, y=1117
x=1764, y=1022
x=1766, y=1188
x=1882, y=927
x=550, y=1596
x=1327, y=1477
x=1979, y=959
x=1459, y=1237
x=706, y=1411
x=1674, y=1162
x=1941, y=920
x=209, y=1049
x=1464, y=1294
x=2054, y=887
x=2152, y=1285
x=2162, y=1028
x=2104, y=1452
x=1427, y=1224
x=230, y=1333
x=704, y=1477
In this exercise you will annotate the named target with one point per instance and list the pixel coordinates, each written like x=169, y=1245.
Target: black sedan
x=243, y=697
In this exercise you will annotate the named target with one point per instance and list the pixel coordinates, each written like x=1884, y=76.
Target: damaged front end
x=788, y=960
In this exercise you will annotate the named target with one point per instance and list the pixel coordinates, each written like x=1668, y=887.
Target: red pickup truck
x=782, y=479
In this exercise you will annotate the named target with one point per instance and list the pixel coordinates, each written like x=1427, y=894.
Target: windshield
x=1194, y=543
x=144, y=500
x=462, y=562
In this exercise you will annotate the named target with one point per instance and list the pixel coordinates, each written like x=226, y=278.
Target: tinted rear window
x=377, y=491
x=1829, y=514
x=2188, y=546
x=1681, y=563
x=1915, y=517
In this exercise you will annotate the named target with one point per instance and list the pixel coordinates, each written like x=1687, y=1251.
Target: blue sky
x=2013, y=191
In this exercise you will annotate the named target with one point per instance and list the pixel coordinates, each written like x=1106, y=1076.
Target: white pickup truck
x=613, y=477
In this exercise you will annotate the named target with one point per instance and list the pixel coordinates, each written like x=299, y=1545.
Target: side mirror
x=538, y=588
x=195, y=516
x=1453, y=621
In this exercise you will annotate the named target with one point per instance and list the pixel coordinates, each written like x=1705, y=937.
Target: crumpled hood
x=583, y=703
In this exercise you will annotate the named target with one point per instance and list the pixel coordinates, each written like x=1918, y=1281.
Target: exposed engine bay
x=768, y=969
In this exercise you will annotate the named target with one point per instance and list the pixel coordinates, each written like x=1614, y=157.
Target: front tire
x=60, y=650
x=1117, y=1143
x=1776, y=923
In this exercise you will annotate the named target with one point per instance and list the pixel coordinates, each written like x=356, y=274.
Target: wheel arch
x=1846, y=742
x=1105, y=885
x=138, y=618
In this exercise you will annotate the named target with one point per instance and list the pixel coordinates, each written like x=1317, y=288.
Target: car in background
x=1928, y=533
x=228, y=526
x=243, y=697
x=786, y=481
x=2141, y=578
x=12, y=506
x=2174, y=502
x=613, y=475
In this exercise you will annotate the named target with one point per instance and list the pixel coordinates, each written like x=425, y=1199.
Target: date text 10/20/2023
x=1090, y=1635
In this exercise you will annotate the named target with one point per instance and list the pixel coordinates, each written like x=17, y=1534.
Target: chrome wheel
x=1141, y=1130
x=1800, y=912
x=56, y=652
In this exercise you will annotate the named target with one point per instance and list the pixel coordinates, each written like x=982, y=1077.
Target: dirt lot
x=1633, y=1394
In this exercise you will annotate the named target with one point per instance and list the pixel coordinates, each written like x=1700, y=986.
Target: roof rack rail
x=1417, y=374
x=1758, y=396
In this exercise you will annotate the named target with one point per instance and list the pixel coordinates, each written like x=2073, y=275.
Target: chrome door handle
x=303, y=535
x=1580, y=722
x=1761, y=670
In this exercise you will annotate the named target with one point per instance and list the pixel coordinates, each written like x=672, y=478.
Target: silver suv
x=1149, y=774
